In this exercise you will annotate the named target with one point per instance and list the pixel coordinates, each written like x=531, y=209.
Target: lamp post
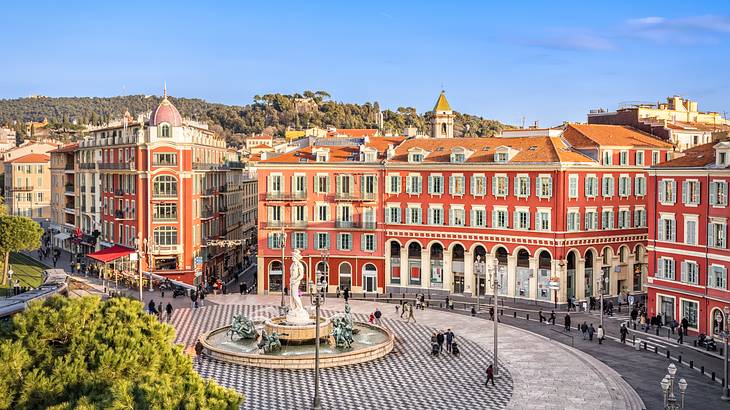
x=282, y=236
x=140, y=246
x=318, y=296
x=667, y=383
x=495, y=285
x=726, y=387
x=478, y=272
x=323, y=276
x=600, y=289
x=10, y=277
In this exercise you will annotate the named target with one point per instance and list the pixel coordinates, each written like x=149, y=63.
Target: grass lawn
x=27, y=270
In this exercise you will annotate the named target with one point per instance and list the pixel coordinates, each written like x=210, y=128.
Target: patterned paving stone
x=408, y=378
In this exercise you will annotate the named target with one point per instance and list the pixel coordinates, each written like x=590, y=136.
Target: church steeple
x=442, y=120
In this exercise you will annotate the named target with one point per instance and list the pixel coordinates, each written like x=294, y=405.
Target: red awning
x=110, y=254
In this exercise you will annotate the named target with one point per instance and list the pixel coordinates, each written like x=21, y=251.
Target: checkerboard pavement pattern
x=408, y=378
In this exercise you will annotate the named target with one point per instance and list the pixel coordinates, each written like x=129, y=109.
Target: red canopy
x=110, y=254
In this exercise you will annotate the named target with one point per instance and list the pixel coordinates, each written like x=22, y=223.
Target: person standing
x=634, y=315
x=600, y=334
x=346, y=293
x=591, y=331
x=584, y=330
x=241, y=288
x=540, y=316
x=410, y=314
x=552, y=317
x=491, y=313
x=193, y=300
x=168, y=309
x=404, y=308
x=685, y=325
x=680, y=332
x=159, y=311
x=377, y=315
x=449, y=339
x=202, y=298
x=151, y=307
x=624, y=331
x=567, y=322
x=440, y=340
x=490, y=375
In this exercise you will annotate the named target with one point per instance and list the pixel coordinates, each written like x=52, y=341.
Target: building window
x=607, y=157
x=573, y=186
x=275, y=214
x=667, y=229
x=573, y=221
x=522, y=220
x=299, y=240
x=623, y=158
x=457, y=185
x=165, y=235
x=624, y=219
x=165, y=131
x=457, y=158
x=164, y=159
x=368, y=242
x=323, y=184
x=415, y=158
x=299, y=183
x=639, y=157
x=500, y=185
x=478, y=185
x=394, y=184
x=344, y=241
x=369, y=185
x=435, y=216
x=392, y=214
x=718, y=193
x=501, y=157
x=640, y=185
x=607, y=219
x=666, y=268
x=691, y=192
x=607, y=188
x=300, y=213
x=322, y=213
x=344, y=184
x=690, y=231
x=413, y=185
x=522, y=186
x=435, y=184
x=413, y=215
x=591, y=221
x=164, y=186
x=542, y=220
x=591, y=187
x=667, y=191
x=323, y=240
x=544, y=186
x=164, y=212
x=717, y=277
x=457, y=216
x=690, y=272
x=624, y=186
x=500, y=218
x=639, y=218
x=689, y=310
x=478, y=218
x=717, y=235
x=654, y=157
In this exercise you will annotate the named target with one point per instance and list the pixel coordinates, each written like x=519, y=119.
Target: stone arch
x=453, y=244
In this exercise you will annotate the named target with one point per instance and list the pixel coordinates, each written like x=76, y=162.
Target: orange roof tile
x=592, y=135
x=31, y=159
x=532, y=149
x=66, y=148
x=348, y=153
x=695, y=157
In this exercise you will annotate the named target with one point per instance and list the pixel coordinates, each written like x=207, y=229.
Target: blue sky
x=546, y=61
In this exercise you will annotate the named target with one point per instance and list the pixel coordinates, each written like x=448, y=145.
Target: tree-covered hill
x=270, y=113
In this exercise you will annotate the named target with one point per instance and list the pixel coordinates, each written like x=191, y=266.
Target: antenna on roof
x=164, y=92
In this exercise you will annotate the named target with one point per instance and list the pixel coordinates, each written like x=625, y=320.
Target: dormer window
x=416, y=158
x=321, y=154
x=501, y=157
x=458, y=158
x=165, y=131
x=722, y=156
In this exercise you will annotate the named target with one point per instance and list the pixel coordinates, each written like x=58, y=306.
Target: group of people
x=157, y=311
x=588, y=331
x=375, y=316
x=437, y=342
x=406, y=309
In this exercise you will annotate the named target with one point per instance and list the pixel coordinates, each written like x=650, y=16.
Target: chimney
x=390, y=153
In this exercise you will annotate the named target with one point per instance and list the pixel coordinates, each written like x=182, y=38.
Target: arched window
x=394, y=263
x=165, y=131
x=345, y=276
x=164, y=186
x=165, y=235
x=275, y=276
x=443, y=129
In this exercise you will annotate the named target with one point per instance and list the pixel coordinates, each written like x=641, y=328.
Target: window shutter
x=538, y=185
x=471, y=218
x=430, y=216
x=516, y=220
x=306, y=241
x=538, y=220
x=471, y=185
x=516, y=185
x=595, y=219
x=661, y=229
x=685, y=189
x=430, y=184
x=621, y=219
x=494, y=218
x=588, y=185
x=270, y=241
x=362, y=241
x=451, y=185
x=420, y=216
x=713, y=193
x=550, y=186
x=683, y=275
x=494, y=185
x=637, y=188
x=528, y=185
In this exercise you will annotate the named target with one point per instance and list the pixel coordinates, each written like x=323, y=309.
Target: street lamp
x=10, y=276
x=726, y=387
x=600, y=289
x=141, y=247
x=323, y=275
x=478, y=268
x=318, y=296
x=495, y=285
x=282, y=236
x=667, y=384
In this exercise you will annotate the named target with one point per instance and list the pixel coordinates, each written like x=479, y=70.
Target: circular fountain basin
x=297, y=333
x=370, y=342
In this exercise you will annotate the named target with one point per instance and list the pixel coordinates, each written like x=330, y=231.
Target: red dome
x=166, y=112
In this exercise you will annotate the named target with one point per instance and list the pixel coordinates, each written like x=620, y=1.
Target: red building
x=436, y=214
x=688, y=247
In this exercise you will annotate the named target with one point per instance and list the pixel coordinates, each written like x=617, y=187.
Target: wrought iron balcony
x=355, y=196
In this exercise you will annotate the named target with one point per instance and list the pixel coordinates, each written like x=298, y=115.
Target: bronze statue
x=269, y=343
x=242, y=327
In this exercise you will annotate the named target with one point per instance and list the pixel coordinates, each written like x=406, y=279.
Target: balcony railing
x=284, y=196
x=123, y=215
x=118, y=192
x=164, y=164
x=69, y=187
x=164, y=218
x=355, y=196
x=87, y=165
x=69, y=167
x=23, y=188
x=165, y=195
x=201, y=166
x=117, y=165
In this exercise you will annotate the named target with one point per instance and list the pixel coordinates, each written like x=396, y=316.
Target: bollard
x=702, y=370
x=657, y=330
x=691, y=364
x=527, y=316
x=633, y=339
x=679, y=358
x=656, y=349
x=501, y=312
x=645, y=347
x=514, y=314
x=668, y=354
x=390, y=295
x=713, y=376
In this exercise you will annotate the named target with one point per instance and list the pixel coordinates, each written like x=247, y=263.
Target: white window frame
x=573, y=189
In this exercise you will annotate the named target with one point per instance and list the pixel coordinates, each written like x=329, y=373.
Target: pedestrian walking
x=447, y=302
x=371, y=318
x=151, y=307
x=642, y=321
x=680, y=331
x=490, y=375
x=552, y=317
x=377, y=315
x=410, y=314
x=404, y=307
x=540, y=316
x=685, y=325
x=491, y=313
x=168, y=309
x=193, y=299
x=159, y=311
x=241, y=288
x=473, y=311
x=346, y=294
x=624, y=331
x=202, y=298
x=567, y=322
x=634, y=315
x=396, y=309
x=449, y=339
x=440, y=340
x=584, y=330
x=591, y=331
x=600, y=334
x=673, y=325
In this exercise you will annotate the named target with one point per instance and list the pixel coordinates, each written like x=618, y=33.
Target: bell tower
x=442, y=121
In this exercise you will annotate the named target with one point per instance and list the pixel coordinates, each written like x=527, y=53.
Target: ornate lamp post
x=323, y=275
x=667, y=383
x=495, y=285
x=318, y=296
x=726, y=334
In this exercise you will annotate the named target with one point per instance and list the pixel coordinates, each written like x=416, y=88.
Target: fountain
x=288, y=341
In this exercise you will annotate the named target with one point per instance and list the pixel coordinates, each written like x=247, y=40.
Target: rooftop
x=599, y=135
x=442, y=104
x=696, y=157
x=31, y=159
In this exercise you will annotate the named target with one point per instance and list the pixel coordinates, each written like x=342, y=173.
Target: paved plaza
x=539, y=374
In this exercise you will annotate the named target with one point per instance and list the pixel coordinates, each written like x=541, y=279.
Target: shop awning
x=110, y=254
x=62, y=236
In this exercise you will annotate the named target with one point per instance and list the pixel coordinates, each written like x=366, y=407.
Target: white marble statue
x=297, y=314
